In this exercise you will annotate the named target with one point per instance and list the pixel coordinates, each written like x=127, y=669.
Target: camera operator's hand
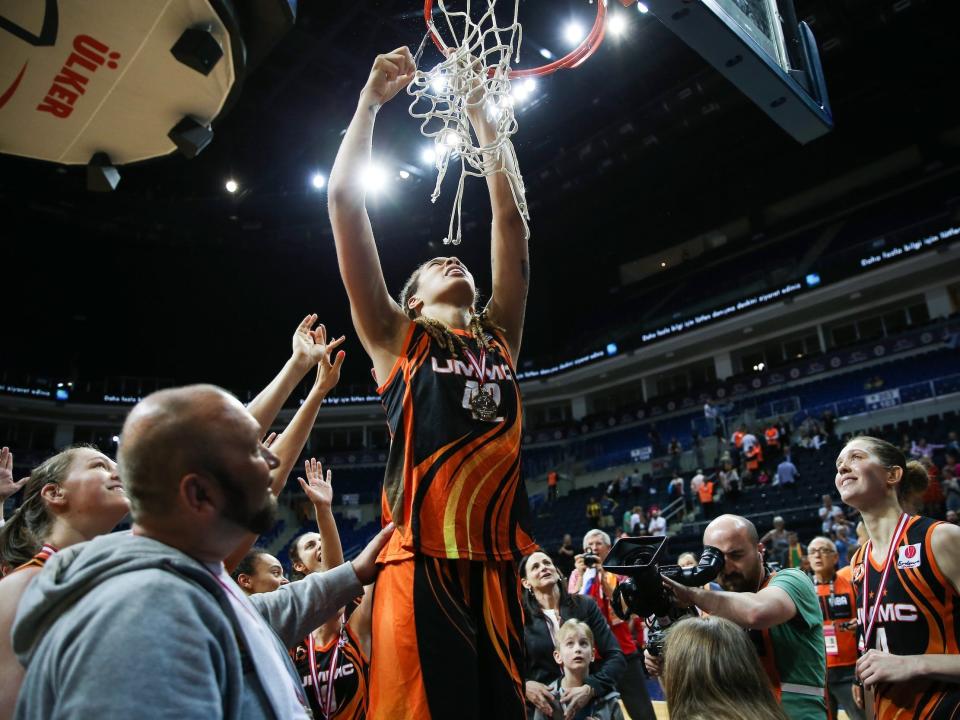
x=653, y=663
x=575, y=700
x=686, y=596
x=540, y=697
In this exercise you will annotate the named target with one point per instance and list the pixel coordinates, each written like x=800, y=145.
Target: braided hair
x=480, y=324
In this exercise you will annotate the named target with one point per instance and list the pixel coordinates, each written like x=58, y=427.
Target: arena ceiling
x=642, y=148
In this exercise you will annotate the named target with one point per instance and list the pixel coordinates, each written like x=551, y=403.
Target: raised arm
x=306, y=354
x=379, y=321
x=288, y=446
x=509, y=254
x=319, y=490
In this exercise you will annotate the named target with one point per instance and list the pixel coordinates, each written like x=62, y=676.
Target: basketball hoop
x=572, y=59
x=475, y=76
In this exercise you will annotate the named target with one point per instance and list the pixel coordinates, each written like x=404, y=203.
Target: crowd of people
x=452, y=609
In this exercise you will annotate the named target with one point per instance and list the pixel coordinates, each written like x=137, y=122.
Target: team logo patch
x=908, y=556
x=858, y=573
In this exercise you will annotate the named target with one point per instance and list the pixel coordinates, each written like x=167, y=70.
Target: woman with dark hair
x=711, y=672
x=446, y=370
x=69, y=498
x=547, y=605
x=907, y=578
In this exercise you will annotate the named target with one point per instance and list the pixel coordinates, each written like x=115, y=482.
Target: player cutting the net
x=447, y=625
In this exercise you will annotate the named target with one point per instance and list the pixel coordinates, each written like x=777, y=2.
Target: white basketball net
x=474, y=74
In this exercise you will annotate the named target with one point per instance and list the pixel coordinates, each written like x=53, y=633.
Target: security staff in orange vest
x=838, y=603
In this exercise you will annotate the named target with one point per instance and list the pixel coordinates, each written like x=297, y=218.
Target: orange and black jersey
x=350, y=676
x=40, y=559
x=452, y=483
x=918, y=614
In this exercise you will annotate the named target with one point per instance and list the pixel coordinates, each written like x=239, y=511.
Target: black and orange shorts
x=447, y=641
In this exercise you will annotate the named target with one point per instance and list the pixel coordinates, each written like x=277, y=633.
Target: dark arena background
x=695, y=269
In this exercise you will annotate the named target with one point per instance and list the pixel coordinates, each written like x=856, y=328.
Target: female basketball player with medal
x=907, y=578
x=447, y=625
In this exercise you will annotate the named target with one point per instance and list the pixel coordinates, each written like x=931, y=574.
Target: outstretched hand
x=391, y=72
x=319, y=490
x=310, y=346
x=7, y=486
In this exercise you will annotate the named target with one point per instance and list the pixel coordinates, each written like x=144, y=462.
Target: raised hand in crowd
x=7, y=485
x=319, y=490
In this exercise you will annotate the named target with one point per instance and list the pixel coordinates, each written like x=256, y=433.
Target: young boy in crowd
x=574, y=652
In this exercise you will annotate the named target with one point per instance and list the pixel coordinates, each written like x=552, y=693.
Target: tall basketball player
x=447, y=625
x=906, y=578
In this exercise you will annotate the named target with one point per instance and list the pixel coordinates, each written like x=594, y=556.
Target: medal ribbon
x=894, y=542
x=327, y=707
x=480, y=366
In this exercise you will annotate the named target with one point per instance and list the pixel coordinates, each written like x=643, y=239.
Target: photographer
x=589, y=578
x=780, y=610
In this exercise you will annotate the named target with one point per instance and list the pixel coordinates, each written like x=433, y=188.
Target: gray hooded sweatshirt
x=127, y=627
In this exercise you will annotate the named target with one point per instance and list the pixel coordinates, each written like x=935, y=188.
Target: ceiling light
x=429, y=155
x=573, y=33
x=318, y=181
x=546, y=53
x=404, y=175
x=642, y=8
x=617, y=24
x=374, y=177
x=231, y=185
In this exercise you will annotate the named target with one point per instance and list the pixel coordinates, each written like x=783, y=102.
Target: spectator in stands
x=198, y=480
x=771, y=438
x=624, y=484
x=552, y=479
x=953, y=444
x=933, y=497
x=627, y=524
x=951, y=489
x=706, y=497
x=909, y=675
x=950, y=462
x=843, y=545
x=710, y=414
x=711, y=670
x=839, y=605
x=696, y=482
x=600, y=584
x=675, y=450
x=783, y=425
x=656, y=442
x=736, y=443
x=796, y=553
x=777, y=541
x=730, y=481
x=638, y=522
x=69, y=498
x=657, y=524
x=787, y=474
x=829, y=425
x=749, y=441
x=922, y=449
x=547, y=606
x=906, y=445
x=780, y=609
x=593, y=511
x=675, y=488
x=763, y=478
x=565, y=554
x=828, y=513
x=574, y=652
x=753, y=458
x=259, y=572
x=608, y=506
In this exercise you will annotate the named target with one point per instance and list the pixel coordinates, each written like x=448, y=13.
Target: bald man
x=780, y=610
x=148, y=624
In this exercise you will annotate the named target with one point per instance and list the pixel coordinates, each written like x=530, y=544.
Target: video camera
x=643, y=593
